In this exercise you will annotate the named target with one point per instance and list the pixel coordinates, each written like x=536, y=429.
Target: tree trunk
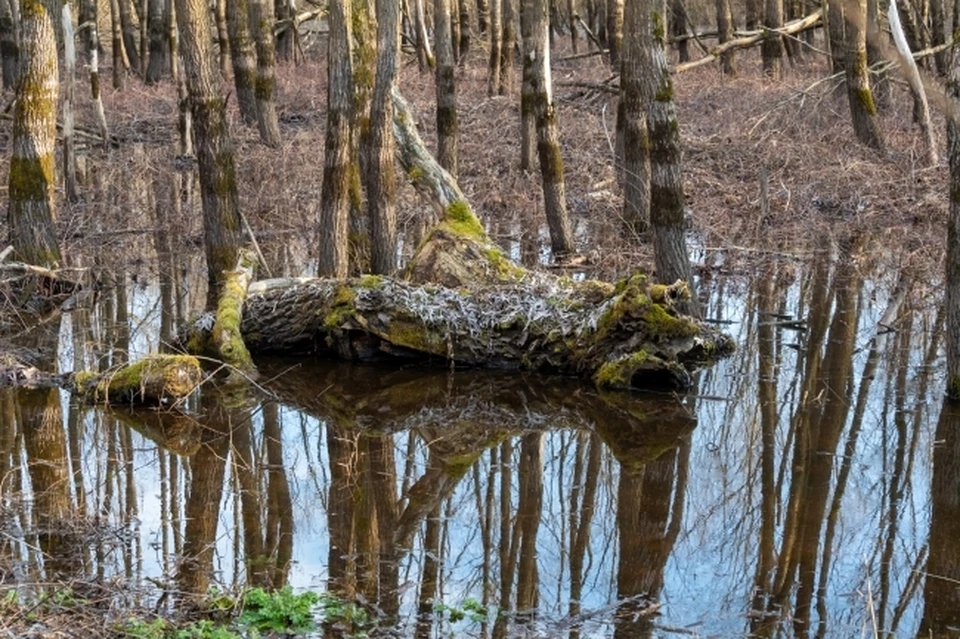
x=243, y=57
x=223, y=36
x=952, y=297
x=286, y=13
x=261, y=22
x=615, y=10
x=447, y=134
x=633, y=137
x=380, y=179
x=9, y=47
x=31, y=186
x=335, y=198
x=496, y=47
x=129, y=31
x=912, y=73
x=466, y=31
x=538, y=102
x=218, y=187
x=678, y=27
x=424, y=54
x=754, y=14
x=483, y=16
x=87, y=14
x=69, y=104
x=725, y=34
x=772, y=49
x=863, y=110
x=510, y=19
x=120, y=63
x=157, y=29
x=528, y=96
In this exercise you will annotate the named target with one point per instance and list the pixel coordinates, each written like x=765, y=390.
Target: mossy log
x=157, y=379
x=154, y=380
x=622, y=336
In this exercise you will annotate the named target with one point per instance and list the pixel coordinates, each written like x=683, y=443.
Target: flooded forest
x=479, y=318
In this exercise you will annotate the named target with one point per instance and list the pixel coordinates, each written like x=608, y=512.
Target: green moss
x=372, y=281
x=619, y=373
x=414, y=336
x=506, y=269
x=460, y=220
x=128, y=379
x=342, y=308
x=665, y=92
x=866, y=100
x=633, y=302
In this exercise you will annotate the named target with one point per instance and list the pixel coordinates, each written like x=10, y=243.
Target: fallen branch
x=797, y=26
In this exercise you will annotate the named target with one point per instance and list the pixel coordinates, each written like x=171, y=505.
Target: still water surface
x=808, y=486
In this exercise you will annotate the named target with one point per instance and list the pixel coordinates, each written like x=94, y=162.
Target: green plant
x=346, y=614
x=279, y=611
x=140, y=629
x=205, y=629
x=470, y=609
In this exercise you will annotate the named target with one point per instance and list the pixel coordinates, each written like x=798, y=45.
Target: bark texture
x=243, y=59
x=31, y=181
x=447, y=133
x=157, y=32
x=261, y=23
x=380, y=179
x=218, y=187
x=772, y=49
x=952, y=296
x=537, y=103
x=335, y=198
x=863, y=109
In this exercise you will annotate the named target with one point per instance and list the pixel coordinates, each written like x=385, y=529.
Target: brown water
x=805, y=487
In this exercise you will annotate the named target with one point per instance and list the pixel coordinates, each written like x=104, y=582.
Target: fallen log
x=154, y=380
x=621, y=336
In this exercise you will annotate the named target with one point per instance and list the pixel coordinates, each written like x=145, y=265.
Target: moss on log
x=157, y=379
x=617, y=336
x=227, y=339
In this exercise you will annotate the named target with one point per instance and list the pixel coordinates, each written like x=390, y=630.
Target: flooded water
x=807, y=486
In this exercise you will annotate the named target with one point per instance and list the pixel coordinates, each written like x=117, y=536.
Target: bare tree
x=509, y=42
x=952, y=296
x=615, y=10
x=725, y=34
x=261, y=22
x=9, y=47
x=214, y=148
x=647, y=67
x=863, y=109
x=446, y=87
x=538, y=101
x=772, y=48
x=335, y=198
x=496, y=44
x=31, y=186
x=243, y=58
x=157, y=31
x=380, y=174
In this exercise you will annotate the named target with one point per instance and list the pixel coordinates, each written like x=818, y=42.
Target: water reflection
x=805, y=490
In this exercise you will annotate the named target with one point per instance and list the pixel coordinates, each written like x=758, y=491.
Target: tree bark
x=261, y=22
x=69, y=104
x=9, y=43
x=538, y=105
x=380, y=178
x=243, y=58
x=772, y=49
x=952, y=296
x=496, y=48
x=120, y=63
x=129, y=31
x=335, y=198
x=214, y=148
x=447, y=133
x=157, y=30
x=725, y=34
x=633, y=141
x=912, y=73
x=863, y=109
x=615, y=9
x=510, y=19
x=30, y=215
x=678, y=27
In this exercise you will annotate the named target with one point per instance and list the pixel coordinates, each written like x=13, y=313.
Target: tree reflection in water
x=769, y=504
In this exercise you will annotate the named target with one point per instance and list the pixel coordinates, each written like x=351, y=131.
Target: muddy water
x=806, y=487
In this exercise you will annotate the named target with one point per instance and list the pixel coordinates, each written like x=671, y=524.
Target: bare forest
x=749, y=204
